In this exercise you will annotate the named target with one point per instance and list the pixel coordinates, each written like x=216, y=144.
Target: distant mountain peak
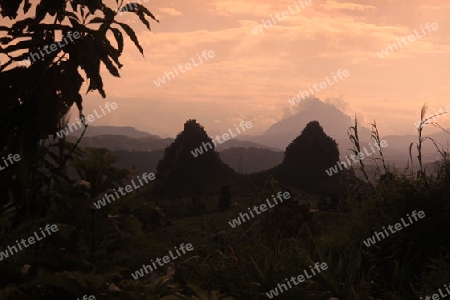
x=333, y=121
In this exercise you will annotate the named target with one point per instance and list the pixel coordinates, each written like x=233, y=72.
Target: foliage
x=36, y=98
x=224, y=198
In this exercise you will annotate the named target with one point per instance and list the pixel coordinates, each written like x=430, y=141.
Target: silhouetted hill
x=182, y=173
x=250, y=160
x=308, y=156
x=305, y=161
x=335, y=123
x=274, y=138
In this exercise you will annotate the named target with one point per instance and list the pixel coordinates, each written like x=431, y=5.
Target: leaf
x=22, y=45
x=96, y=20
x=74, y=5
x=132, y=35
x=109, y=65
x=143, y=20
x=147, y=12
x=119, y=38
x=90, y=63
x=26, y=6
x=105, y=50
x=5, y=40
x=69, y=15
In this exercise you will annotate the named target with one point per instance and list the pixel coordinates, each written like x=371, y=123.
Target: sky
x=252, y=76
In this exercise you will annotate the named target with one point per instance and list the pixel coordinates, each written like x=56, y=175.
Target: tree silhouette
x=96, y=167
x=37, y=97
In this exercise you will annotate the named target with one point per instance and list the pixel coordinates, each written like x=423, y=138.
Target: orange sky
x=252, y=76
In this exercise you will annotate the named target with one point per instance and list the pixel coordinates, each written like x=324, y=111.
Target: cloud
x=347, y=6
x=343, y=105
x=255, y=75
x=435, y=8
x=170, y=11
x=239, y=7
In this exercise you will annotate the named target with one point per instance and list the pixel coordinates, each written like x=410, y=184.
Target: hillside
x=141, y=161
x=120, y=142
x=116, y=130
x=250, y=160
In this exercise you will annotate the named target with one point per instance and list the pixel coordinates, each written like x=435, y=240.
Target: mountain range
x=249, y=154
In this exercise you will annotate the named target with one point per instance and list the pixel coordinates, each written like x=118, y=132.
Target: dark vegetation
x=95, y=251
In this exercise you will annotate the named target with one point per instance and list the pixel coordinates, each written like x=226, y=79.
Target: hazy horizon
x=98, y=123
